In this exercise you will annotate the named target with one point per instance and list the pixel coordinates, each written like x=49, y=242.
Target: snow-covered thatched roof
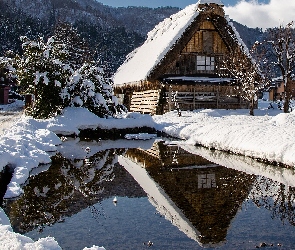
x=140, y=63
x=142, y=60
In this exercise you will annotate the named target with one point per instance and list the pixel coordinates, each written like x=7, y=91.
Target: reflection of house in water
x=199, y=197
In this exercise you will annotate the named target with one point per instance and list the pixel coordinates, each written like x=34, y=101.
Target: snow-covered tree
x=244, y=69
x=42, y=73
x=7, y=68
x=88, y=87
x=279, y=47
x=48, y=71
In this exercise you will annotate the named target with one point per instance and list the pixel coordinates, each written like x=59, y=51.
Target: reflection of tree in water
x=65, y=189
x=276, y=197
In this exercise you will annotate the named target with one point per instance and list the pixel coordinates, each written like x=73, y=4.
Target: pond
x=156, y=194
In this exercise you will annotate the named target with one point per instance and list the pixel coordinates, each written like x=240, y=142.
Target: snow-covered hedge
x=46, y=72
x=88, y=87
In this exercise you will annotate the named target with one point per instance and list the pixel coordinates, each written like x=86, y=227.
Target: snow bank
x=26, y=144
x=23, y=148
x=75, y=119
x=268, y=135
x=11, y=240
x=264, y=137
x=72, y=120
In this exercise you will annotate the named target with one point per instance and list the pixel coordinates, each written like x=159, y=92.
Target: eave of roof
x=194, y=80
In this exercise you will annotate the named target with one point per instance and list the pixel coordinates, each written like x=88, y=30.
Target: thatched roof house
x=180, y=63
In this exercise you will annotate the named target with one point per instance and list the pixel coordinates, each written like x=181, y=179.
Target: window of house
x=205, y=63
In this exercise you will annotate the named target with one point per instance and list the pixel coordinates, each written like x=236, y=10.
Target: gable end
x=209, y=35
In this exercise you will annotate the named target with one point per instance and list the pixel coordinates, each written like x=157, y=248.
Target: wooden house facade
x=276, y=90
x=180, y=66
x=4, y=86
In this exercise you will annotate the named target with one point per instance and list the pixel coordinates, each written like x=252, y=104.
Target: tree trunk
x=287, y=95
x=286, y=104
x=251, y=111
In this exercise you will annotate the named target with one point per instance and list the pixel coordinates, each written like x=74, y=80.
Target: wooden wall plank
x=145, y=102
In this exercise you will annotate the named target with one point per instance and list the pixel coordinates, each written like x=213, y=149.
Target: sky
x=253, y=13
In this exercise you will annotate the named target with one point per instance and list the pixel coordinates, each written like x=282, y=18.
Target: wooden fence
x=145, y=102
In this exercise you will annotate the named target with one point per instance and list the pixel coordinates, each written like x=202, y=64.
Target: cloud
x=254, y=14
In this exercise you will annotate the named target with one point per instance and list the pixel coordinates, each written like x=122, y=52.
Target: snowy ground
x=10, y=114
x=269, y=135
x=26, y=143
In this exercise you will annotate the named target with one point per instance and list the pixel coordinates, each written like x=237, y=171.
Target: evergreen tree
x=88, y=87
x=42, y=73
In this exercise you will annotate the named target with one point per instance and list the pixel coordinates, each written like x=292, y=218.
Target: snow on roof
x=142, y=60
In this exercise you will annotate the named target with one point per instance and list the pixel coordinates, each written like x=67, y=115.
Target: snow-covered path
x=9, y=114
x=8, y=119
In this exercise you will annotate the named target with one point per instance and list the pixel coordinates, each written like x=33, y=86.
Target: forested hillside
x=111, y=33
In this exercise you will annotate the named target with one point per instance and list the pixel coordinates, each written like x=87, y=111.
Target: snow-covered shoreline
x=28, y=142
x=267, y=136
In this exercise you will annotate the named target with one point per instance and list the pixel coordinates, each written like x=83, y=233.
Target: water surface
x=169, y=196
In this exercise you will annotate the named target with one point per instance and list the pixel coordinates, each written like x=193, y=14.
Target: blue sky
x=158, y=3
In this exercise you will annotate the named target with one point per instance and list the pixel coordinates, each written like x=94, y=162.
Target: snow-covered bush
x=47, y=71
x=42, y=73
x=7, y=69
x=88, y=87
